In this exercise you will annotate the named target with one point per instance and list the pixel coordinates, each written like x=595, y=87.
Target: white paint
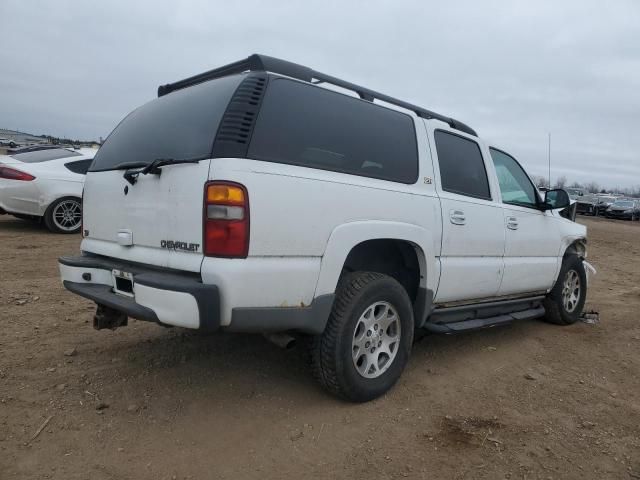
x=53, y=181
x=156, y=208
x=304, y=222
x=74, y=274
x=261, y=281
x=173, y=308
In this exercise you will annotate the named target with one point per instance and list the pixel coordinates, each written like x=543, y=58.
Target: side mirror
x=556, y=199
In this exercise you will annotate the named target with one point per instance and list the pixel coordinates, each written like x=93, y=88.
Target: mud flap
x=590, y=269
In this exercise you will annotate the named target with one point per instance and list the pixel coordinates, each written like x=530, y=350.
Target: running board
x=478, y=323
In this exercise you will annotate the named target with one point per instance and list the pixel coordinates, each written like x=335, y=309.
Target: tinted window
x=179, y=125
x=312, y=127
x=81, y=166
x=461, y=166
x=515, y=186
x=44, y=155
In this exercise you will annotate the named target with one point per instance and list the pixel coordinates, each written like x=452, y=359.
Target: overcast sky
x=512, y=70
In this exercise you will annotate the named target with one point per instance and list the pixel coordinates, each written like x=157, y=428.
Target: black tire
x=55, y=226
x=555, y=307
x=332, y=352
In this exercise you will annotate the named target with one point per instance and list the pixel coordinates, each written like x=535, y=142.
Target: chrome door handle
x=512, y=223
x=457, y=217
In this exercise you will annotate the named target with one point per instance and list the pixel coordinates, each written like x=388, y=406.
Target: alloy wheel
x=376, y=339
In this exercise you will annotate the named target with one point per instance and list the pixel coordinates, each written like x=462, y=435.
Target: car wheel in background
x=64, y=215
x=564, y=304
x=367, y=340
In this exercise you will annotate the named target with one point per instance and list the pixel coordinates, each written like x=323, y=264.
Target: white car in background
x=45, y=185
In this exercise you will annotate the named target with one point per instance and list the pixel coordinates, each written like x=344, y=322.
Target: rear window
x=44, y=155
x=179, y=125
x=312, y=127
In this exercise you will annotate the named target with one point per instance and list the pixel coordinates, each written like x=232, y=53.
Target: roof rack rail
x=265, y=63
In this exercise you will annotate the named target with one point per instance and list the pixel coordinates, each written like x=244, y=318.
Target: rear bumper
x=181, y=299
x=161, y=296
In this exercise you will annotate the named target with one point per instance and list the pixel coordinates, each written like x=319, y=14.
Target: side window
x=80, y=166
x=462, y=169
x=515, y=186
x=309, y=126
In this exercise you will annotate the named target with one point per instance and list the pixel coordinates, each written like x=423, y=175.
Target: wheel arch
x=570, y=245
x=576, y=246
x=379, y=246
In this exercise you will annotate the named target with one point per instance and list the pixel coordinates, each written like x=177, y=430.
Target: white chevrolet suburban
x=264, y=196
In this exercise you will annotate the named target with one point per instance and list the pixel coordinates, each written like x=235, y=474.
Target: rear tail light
x=14, y=174
x=226, y=220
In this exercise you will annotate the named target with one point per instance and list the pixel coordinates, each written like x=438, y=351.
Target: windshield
x=607, y=199
x=44, y=155
x=179, y=125
x=623, y=204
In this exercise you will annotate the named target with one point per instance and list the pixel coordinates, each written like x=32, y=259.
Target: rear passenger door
x=532, y=235
x=471, y=263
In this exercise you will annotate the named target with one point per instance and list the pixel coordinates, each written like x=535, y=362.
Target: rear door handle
x=512, y=223
x=457, y=217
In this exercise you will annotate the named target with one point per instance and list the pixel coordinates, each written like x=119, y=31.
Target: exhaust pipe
x=281, y=340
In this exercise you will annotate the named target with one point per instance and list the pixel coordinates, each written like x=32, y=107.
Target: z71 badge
x=176, y=245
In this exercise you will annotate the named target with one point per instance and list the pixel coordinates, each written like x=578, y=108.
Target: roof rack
x=265, y=63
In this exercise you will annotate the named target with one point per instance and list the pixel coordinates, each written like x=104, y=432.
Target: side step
x=478, y=323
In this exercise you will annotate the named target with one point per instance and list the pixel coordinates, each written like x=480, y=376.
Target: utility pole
x=549, y=158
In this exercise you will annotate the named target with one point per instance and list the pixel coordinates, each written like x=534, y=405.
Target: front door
x=532, y=235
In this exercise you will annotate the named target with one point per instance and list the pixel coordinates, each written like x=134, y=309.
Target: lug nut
x=373, y=349
x=367, y=345
x=368, y=333
x=375, y=327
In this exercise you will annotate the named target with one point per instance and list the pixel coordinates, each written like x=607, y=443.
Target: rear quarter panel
x=304, y=222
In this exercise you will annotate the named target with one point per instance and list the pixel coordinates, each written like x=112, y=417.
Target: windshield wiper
x=128, y=165
x=153, y=167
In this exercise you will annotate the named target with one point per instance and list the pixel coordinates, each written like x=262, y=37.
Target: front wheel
x=565, y=302
x=367, y=340
x=64, y=215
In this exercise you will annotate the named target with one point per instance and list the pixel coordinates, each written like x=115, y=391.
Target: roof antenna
x=549, y=157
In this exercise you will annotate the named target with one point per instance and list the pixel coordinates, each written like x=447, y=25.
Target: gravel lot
x=526, y=401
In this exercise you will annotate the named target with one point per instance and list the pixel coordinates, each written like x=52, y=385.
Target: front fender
x=346, y=236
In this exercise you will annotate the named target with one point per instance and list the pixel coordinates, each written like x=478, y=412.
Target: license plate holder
x=122, y=282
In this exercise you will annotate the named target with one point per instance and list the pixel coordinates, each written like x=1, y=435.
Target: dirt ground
x=526, y=401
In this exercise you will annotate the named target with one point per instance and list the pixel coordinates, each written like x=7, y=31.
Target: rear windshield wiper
x=153, y=167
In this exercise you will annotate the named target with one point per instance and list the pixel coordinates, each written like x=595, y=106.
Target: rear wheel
x=367, y=340
x=64, y=215
x=565, y=302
